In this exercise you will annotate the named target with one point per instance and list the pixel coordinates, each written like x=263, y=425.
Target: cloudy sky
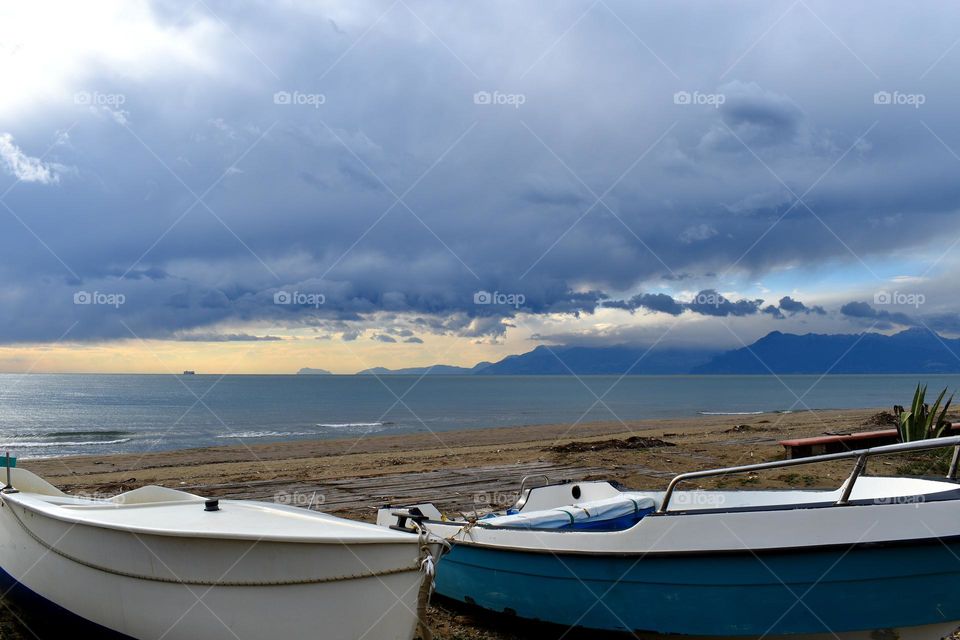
x=348, y=184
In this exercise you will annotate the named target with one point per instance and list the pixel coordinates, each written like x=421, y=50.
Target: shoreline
x=233, y=470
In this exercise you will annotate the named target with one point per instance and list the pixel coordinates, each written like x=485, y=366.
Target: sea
x=48, y=415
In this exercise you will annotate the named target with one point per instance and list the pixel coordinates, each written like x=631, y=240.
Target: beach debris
x=881, y=419
x=741, y=428
x=633, y=442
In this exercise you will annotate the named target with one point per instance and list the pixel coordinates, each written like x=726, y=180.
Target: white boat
x=159, y=563
x=877, y=558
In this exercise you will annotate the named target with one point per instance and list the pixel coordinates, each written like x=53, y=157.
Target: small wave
x=732, y=413
x=54, y=435
x=93, y=434
x=91, y=443
x=349, y=425
x=244, y=435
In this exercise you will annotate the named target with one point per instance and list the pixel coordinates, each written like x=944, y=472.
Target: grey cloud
x=711, y=303
x=881, y=317
x=651, y=301
x=759, y=112
x=773, y=311
x=492, y=207
x=707, y=302
x=792, y=306
x=226, y=337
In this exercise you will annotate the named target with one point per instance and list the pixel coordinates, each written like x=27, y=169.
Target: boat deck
x=188, y=517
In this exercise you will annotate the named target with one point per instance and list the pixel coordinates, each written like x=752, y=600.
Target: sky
x=274, y=185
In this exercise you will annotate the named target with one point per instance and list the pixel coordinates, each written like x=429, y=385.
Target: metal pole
x=952, y=474
x=9, y=486
x=848, y=488
x=905, y=447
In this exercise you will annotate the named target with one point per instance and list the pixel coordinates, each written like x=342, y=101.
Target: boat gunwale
x=952, y=495
x=759, y=551
x=940, y=496
x=49, y=512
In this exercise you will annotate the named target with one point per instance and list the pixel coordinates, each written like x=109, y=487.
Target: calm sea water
x=50, y=415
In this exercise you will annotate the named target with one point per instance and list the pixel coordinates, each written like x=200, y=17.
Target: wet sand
x=468, y=471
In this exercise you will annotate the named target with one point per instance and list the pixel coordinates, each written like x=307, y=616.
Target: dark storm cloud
x=763, y=117
x=300, y=194
x=708, y=302
x=882, y=318
x=792, y=306
x=711, y=303
x=774, y=311
x=650, y=301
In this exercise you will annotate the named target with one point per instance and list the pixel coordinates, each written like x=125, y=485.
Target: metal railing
x=524, y=490
x=860, y=456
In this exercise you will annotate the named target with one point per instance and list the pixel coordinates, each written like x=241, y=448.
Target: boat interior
x=160, y=510
x=602, y=506
x=28, y=482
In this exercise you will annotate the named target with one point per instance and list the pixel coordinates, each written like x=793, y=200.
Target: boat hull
x=46, y=619
x=181, y=588
x=808, y=592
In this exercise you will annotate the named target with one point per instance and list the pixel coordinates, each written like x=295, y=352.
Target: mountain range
x=910, y=351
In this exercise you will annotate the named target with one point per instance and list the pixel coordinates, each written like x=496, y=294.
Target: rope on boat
x=464, y=530
x=428, y=567
x=226, y=583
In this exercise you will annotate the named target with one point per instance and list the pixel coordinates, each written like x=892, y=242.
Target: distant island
x=910, y=351
x=310, y=371
x=437, y=369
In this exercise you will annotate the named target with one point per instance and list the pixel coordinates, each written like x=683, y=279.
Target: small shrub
x=922, y=421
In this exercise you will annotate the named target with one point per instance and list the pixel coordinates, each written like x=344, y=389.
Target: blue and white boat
x=878, y=557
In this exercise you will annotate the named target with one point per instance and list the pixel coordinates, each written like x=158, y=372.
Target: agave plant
x=922, y=421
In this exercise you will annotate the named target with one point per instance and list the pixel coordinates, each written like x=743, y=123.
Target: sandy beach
x=469, y=471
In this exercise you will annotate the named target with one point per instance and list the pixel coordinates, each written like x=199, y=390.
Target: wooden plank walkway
x=480, y=488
